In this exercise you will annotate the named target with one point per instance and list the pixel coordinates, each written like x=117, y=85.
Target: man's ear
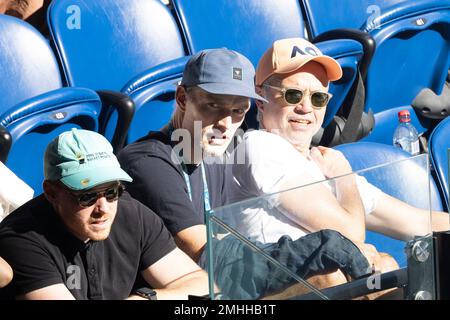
x=49, y=190
x=259, y=104
x=181, y=97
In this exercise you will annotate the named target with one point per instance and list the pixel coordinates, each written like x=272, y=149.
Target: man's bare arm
x=315, y=207
x=54, y=292
x=192, y=241
x=402, y=221
x=175, y=276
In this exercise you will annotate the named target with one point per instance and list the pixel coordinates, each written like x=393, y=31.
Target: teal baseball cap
x=82, y=159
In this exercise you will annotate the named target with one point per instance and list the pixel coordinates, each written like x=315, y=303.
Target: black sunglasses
x=319, y=99
x=87, y=199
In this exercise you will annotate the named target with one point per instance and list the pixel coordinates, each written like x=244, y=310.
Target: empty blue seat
x=413, y=47
x=249, y=27
x=33, y=103
x=404, y=180
x=33, y=123
x=439, y=145
x=102, y=44
x=153, y=93
x=27, y=63
x=335, y=14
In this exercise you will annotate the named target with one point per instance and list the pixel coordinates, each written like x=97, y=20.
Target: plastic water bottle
x=405, y=135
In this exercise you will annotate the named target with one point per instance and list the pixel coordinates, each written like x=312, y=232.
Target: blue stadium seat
x=335, y=14
x=413, y=47
x=103, y=44
x=387, y=121
x=405, y=181
x=31, y=87
x=28, y=66
x=35, y=122
x=250, y=27
x=153, y=93
x=439, y=145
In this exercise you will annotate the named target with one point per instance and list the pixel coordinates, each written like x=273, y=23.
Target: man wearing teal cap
x=85, y=238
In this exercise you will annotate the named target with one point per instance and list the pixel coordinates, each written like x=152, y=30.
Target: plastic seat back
x=153, y=92
x=344, y=14
x=35, y=122
x=102, y=44
x=249, y=27
x=28, y=66
x=404, y=181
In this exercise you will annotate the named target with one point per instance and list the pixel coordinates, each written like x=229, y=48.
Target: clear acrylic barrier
x=243, y=266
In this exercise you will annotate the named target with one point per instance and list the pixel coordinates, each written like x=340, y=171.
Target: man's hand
x=380, y=261
x=331, y=162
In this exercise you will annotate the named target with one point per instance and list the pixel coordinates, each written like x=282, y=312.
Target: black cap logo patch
x=237, y=73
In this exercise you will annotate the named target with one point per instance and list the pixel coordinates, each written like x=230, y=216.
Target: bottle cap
x=404, y=116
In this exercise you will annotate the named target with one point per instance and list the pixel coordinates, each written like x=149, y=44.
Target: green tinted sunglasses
x=292, y=96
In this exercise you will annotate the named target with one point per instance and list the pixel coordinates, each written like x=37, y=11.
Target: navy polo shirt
x=159, y=183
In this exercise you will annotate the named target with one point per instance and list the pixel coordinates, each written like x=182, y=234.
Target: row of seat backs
x=278, y=19
x=413, y=51
x=116, y=40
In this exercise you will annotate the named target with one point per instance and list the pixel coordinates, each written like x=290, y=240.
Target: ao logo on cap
x=303, y=51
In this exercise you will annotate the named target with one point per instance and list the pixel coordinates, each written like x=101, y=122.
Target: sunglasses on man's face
x=292, y=96
x=87, y=199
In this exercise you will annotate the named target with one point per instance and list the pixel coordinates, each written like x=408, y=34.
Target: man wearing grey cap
x=85, y=238
x=169, y=173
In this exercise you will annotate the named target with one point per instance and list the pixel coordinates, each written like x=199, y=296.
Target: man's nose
x=101, y=206
x=225, y=123
x=305, y=105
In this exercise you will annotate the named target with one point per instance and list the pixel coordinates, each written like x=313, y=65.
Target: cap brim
x=92, y=177
x=332, y=67
x=232, y=90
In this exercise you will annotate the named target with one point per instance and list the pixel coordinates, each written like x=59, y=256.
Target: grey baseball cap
x=221, y=71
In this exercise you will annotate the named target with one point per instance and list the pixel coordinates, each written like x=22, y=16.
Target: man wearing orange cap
x=293, y=75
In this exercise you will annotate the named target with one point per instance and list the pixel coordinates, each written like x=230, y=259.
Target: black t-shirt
x=42, y=252
x=159, y=183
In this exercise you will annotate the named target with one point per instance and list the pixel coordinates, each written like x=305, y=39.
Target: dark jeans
x=241, y=273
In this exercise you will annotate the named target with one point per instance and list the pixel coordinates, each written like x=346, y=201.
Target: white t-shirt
x=267, y=161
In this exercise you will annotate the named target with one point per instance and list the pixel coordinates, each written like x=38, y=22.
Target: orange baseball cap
x=288, y=55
